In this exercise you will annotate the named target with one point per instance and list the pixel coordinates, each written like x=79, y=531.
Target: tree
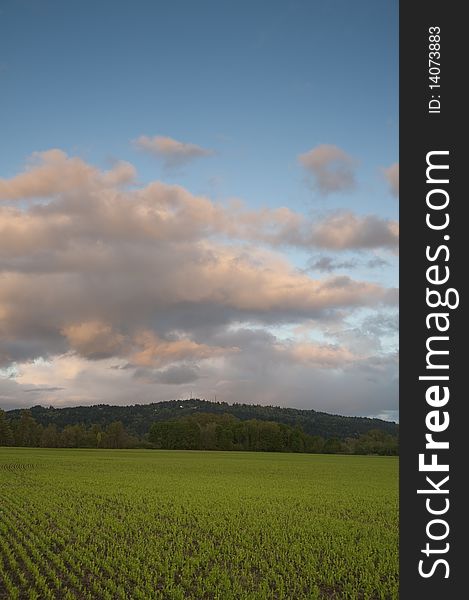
x=176, y=435
x=270, y=436
x=377, y=442
x=115, y=436
x=27, y=431
x=332, y=446
x=96, y=435
x=314, y=444
x=74, y=436
x=297, y=443
x=208, y=436
x=6, y=434
x=50, y=437
x=224, y=436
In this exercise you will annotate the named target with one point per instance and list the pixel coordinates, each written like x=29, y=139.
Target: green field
x=139, y=524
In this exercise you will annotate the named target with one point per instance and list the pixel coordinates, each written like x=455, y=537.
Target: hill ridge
x=138, y=418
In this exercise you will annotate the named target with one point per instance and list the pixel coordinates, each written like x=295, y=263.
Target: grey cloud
x=368, y=335
x=328, y=264
x=265, y=371
x=98, y=307
x=174, y=375
x=40, y=390
x=377, y=263
x=381, y=323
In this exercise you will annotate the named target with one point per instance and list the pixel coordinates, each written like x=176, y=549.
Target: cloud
x=266, y=370
x=322, y=355
x=41, y=390
x=172, y=152
x=392, y=176
x=95, y=305
x=340, y=230
x=154, y=351
x=93, y=339
x=345, y=230
x=331, y=167
x=53, y=172
x=175, y=375
x=376, y=263
x=328, y=264
x=106, y=289
x=83, y=222
x=374, y=334
x=90, y=270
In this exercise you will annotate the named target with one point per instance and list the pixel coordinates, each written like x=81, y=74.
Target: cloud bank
x=111, y=293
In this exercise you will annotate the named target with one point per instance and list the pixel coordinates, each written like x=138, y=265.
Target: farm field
x=142, y=525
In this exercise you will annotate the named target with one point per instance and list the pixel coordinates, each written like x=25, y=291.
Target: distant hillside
x=137, y=419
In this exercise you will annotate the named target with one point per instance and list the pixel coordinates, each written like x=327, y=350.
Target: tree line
x=26, y=431
x=202, y=431
x=205, y=431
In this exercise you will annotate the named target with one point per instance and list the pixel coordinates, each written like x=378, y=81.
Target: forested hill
x=137, y=419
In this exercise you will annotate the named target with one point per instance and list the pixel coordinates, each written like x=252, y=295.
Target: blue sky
x=254, y=83
x=259, y=82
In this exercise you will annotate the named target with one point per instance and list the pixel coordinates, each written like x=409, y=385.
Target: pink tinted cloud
x=173, y=152
x=332, y=169
x=392, y=176
x=53, y=172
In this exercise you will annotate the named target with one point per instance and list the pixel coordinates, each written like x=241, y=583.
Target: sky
x=199, y=200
